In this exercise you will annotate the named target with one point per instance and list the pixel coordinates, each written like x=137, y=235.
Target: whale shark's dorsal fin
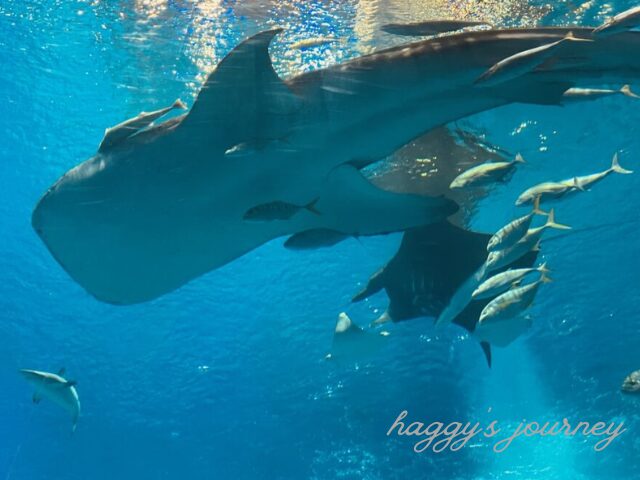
x=61, y=372
x=128, y=128
x=241, y=96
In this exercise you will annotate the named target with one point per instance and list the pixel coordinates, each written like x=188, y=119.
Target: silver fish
x=485, y=174
x=581, y=94
x=548, y=190
x=128, y=128
x=530, y=241
x=512, y=302
x=502, y=282
x=586, y=181
x=513, y=232
x=523, y=62
x=622, y=22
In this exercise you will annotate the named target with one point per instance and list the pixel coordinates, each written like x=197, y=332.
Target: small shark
x=56, y=388
x=158, y=207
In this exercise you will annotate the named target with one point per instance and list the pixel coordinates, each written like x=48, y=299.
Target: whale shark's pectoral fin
x=36, y=398
x=115, y=135
x=244, y=99
x=351, y=204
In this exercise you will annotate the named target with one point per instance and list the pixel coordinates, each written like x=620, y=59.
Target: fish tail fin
x=551, y=222
x=545, y=278
x=543, y=269
x=615, y=166
x=519, y=159
x=626, y=91
x=179, y=104
x=311, y=206
x=536, y=207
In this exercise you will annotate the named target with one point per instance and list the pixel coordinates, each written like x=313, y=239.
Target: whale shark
x=159, y=206
x=55, y=388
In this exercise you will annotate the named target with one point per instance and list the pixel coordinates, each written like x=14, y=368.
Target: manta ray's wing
x=428, y=268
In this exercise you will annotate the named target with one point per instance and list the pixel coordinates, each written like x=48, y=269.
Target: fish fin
x=536, y=207
x=615, y=166
x=516, y=283
x=551, y=222
x=245, y=73
x=36, y=398
x=545, y=278
x=311, y=206
x=543, y=269
x=576, y=184
x=61, y=371
x=519, y=159
x=536, y=247
x=70, y=383
x=626, y=91
x=572, y=38
x=486, y=349
x=179, y=105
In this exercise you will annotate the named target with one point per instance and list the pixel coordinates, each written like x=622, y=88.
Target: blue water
x=226, y=377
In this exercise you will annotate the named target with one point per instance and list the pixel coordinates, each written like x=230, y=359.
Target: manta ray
x=161, y=204
x=429, y=267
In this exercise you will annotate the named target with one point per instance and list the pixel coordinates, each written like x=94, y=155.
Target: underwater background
x=226, y=377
